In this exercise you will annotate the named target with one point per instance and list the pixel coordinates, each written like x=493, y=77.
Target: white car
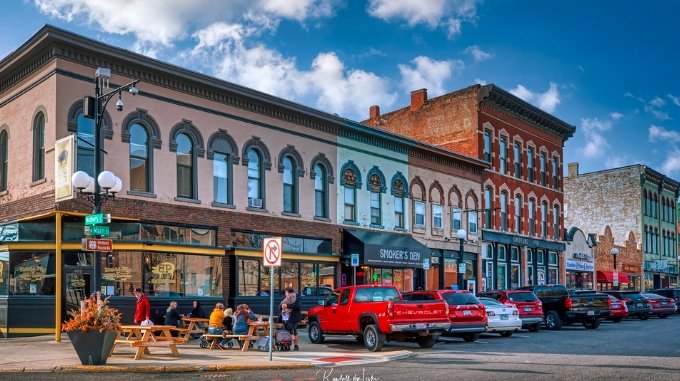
x=503, y=318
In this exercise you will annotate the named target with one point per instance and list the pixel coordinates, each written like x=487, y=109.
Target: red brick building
x=523, y=196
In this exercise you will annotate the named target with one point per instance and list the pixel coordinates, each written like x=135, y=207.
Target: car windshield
x=457, y=299
x=377, y=294
x=522, y=297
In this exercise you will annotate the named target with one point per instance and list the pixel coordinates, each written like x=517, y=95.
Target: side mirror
x=322, y=302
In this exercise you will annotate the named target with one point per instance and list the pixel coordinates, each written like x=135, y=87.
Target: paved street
x=631, y=350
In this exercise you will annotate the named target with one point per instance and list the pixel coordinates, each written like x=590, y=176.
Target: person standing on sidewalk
x=291, y=303
x=143, y=307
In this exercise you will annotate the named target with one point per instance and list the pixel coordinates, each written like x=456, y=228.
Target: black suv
x=638, y=305
x=561, y=307
x=673, y=293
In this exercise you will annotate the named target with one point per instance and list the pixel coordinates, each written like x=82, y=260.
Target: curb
x=156, y=369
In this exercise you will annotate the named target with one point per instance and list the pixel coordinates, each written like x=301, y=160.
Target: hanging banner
x=63, y=168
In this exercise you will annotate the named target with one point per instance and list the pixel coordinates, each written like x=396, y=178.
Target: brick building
x=522, y=228
x=635, y=203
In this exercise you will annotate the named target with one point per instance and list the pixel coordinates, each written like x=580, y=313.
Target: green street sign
x=96, y=219
x=97, y=230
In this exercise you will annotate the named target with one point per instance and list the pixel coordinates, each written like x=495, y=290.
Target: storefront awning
x=385, y=249
x=608, y=277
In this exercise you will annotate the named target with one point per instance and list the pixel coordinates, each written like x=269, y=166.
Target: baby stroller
x=204, y=343
x=282, y=340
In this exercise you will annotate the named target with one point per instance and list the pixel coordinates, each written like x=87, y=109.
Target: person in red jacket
x=143, y=308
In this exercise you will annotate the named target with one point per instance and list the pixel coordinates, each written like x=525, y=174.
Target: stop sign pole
x=271, y=257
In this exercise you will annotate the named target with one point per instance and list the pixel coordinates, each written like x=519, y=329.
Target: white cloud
x=547, y=101
x=657, y=102
x=660, y=133
x=595, y=125
x=479, y=81
x=671, y=166
x=674, y=99
x=593, y=129
x=448, y=14
x=428, y=73
x=477, y=53
x=616, y=115
x=619, y=161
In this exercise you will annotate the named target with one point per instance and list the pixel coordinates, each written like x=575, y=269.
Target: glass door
x=77, y=286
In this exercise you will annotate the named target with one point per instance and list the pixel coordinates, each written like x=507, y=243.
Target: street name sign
x=97, y=244
x=96, y=219
x=97, y=230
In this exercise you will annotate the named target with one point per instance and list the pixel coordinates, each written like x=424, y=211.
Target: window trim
x=39, y=121
x=149, y=154
x=4, y=158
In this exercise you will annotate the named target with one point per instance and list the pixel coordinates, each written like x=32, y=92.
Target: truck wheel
x=535, y=328
x=315, y=335
x=426, y=341
x=506, y=333
x=470, y=337
x=553, y=321
x=373, y=339
x=593, y=324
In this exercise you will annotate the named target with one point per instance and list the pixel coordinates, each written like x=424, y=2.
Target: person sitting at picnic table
x=228, y=324
x=215, y=326
x=196, y=310
x=242, y=316
x=172, y=317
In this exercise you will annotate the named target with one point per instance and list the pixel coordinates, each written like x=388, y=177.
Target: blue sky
x=608, y=67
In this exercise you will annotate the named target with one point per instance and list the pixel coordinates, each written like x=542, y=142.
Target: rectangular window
x=532, y=220
x=518, y=160
x=503, y=155
x=472, y=222
x=542, y=164
x=544, y=219
x=518, y=214
x=488, y=211
x=399, y=212
x=175, y=275
x=504, y=211
x=456, y=219
x=556, y=222
x=220, y=179
x=530, y=164
x=320, y=209
x=514, y=254
x=419, y=213
x=31, y=273
x=487, y=145
x=555, y=172
x=375, y=209
x=350, y=206
x=437, y=216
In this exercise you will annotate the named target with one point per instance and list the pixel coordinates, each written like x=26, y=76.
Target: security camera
x=133, y=90
x=119, y=104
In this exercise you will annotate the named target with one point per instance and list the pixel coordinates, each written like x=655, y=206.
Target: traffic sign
x=615, y=279
x=271, y=252
x=96, y=219
x=97, y=244
x=461, y=267
x=355, y=260
x=97, y=230
x=426, y=264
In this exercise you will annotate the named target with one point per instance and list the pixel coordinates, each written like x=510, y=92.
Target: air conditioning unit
x=255, y=202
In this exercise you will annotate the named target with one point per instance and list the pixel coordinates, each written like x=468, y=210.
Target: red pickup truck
x=375, y=314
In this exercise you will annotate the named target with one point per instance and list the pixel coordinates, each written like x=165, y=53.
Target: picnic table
x=144, y=336
x=192, y=327
x=253, y=334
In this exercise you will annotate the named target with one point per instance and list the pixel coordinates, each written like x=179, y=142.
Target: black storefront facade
x=384, y=259
x=511, y=261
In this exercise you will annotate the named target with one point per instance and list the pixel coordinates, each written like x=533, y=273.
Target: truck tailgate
x=420, y=311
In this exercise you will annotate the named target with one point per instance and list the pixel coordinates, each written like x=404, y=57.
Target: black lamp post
x=461, y=235
x=107, y=184
x=614, y=252
x=441, y=269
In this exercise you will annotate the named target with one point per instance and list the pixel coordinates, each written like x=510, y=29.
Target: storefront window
x=177, y=275
x=514, y=276
x=4, y=273
x=402, y=279
x=309, y=278
x=121, y=274
x=31, y=273
x=552, y=276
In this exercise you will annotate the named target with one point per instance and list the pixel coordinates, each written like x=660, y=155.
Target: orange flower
x=94, y=314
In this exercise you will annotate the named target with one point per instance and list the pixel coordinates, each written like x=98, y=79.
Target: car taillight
x=515, y=312
x=390, y=309
x=568, y=303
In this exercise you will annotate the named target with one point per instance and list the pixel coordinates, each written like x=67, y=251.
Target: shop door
x=77, y=286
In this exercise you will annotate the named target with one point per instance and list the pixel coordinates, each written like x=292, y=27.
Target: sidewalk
x=44, y=354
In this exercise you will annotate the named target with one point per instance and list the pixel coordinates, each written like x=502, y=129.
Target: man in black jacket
x=295, y=315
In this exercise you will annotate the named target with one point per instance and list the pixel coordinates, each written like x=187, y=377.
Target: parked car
x=466, y=313
x=563, y=308
x=317, y=291
x=618, y=308
x=502, y=318
x=529, y=306
x=638, y=305
x=673, y=293
x=661, y=305
x=375, y=314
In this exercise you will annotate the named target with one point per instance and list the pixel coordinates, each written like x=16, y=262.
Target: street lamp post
x=614, y=252
x=441, y=269
x=461, y=235
x=106, y=184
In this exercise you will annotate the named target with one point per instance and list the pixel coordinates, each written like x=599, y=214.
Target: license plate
x=591, y=313
x=421, y=326
x=527, y=309
x=504, y=317
x=663, y=303
x=467, y=313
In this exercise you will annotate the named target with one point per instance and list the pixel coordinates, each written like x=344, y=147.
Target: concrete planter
x=92, y=347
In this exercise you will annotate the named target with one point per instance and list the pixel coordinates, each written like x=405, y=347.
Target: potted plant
x=92, y=329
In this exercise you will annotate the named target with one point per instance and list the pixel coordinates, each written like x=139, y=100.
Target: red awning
x=608, y=277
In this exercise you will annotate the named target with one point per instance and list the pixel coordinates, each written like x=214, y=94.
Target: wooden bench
x=214, y=339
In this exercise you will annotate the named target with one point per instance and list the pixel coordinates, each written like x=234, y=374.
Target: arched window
x=39, y=147
x=139, y=159
x=504, y=211
x=255, y=177
x=398, y=192
x=349, y=178
x=4, y=146
x=289, y=185
x=222, y=171
x=488, y=207
x=320, y=191
x=518, y=213
x=185, y=166
x=85, y=144
x=375, y=186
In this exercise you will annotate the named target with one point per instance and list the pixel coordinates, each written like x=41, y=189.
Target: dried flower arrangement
x=94, y=314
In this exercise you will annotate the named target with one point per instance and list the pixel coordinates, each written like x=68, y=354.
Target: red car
x=618, y=308
x=661, y=305
x=466, y=313
x=529, y=306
